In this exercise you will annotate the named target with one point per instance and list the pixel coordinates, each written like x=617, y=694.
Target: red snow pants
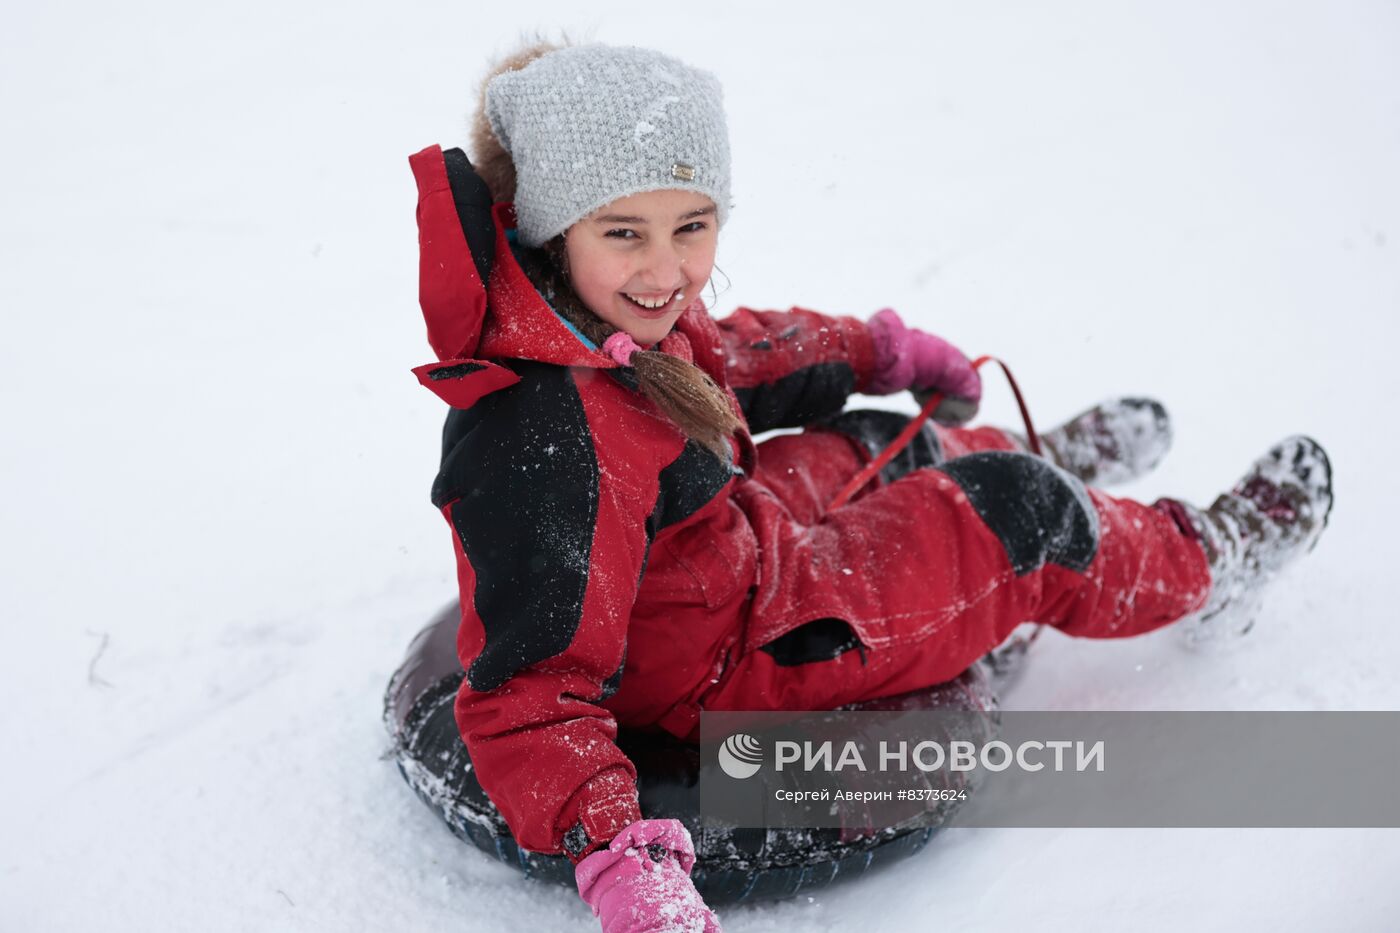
x=937, y=567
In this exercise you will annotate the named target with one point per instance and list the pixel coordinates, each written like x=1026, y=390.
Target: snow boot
x=1115, y=441
x=1272, y=516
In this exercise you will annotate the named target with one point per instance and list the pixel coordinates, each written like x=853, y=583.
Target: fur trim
x=491, y=160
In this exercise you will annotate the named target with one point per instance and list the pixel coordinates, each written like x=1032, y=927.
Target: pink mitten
x=908, y=358
x=641, y=882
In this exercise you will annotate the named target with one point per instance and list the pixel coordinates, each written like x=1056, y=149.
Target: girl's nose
x=662, y=265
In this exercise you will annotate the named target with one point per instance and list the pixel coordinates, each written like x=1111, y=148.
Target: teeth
x=652, y=303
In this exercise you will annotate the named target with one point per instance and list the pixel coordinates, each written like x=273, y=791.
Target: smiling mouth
x=652, y=306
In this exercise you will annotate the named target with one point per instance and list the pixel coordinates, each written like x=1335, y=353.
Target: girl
x=627, y=554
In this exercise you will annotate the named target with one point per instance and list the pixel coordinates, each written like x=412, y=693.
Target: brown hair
x=684, y=392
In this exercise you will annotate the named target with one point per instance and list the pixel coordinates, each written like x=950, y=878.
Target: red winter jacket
x=607, y=573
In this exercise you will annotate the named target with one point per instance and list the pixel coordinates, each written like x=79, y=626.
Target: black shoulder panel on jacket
x=798, y=398
x=692, y=480
x=473, y=201
x=521, y=468
x=1041, y=514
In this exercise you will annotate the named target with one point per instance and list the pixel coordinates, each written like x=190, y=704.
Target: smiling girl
x=627, y=555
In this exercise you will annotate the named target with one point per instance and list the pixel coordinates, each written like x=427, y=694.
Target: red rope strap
x=899, y=443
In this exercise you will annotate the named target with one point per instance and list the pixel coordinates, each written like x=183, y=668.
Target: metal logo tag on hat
x=683, y=172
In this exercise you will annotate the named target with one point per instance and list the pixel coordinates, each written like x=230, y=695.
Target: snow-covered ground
x=216, y=464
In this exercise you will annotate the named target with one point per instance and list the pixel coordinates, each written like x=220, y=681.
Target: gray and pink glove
x=908, y=358
x=641, y=882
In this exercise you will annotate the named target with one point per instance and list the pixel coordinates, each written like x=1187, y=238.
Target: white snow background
x=218, y=540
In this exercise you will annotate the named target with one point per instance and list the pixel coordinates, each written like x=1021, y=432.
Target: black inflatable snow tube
x=737, y=865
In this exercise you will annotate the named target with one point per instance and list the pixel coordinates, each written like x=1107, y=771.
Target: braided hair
x=684, y=392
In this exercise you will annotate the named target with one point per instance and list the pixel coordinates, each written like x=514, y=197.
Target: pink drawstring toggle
x=620, y=346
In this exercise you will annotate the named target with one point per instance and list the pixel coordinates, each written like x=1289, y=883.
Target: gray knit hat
x=588, y=124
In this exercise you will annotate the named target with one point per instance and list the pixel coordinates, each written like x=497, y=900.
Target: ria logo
x=741, y=756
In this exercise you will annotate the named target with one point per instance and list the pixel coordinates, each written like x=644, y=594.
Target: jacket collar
x=520, y=324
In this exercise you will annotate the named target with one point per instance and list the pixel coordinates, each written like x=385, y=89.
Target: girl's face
x=640, y=261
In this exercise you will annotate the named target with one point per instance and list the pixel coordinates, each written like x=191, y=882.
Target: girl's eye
x=623, y=233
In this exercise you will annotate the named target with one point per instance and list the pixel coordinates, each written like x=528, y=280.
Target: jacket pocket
x=669, y=581
x=718, y=553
